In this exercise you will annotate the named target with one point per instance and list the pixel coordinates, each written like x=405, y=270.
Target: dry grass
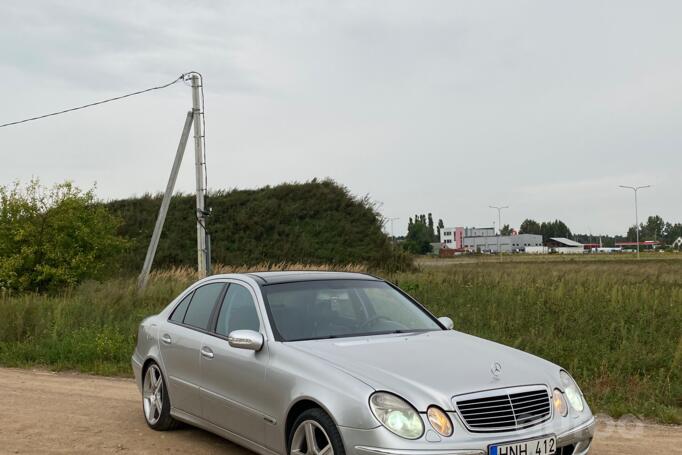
x=187, y=274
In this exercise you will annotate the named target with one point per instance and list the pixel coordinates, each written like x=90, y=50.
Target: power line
x=108, y=100
x=182, y=77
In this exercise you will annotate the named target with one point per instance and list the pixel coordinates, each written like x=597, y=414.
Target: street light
x=635, y=189
x=499, y=223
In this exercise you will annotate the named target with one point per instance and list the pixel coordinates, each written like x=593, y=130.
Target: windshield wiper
x=326, y=337
x=351, y=335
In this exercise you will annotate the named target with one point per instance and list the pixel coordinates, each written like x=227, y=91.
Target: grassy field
x=614, y=322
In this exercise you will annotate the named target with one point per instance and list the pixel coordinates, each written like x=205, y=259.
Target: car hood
x=431, y=367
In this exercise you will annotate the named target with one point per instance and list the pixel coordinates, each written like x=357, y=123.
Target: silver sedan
x=322, y=363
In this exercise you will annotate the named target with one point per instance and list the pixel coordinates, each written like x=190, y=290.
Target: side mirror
x=246, y=339
x=447, y=322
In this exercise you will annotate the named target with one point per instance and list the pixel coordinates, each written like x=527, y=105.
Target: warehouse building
x=475, y=240
x=453, y=237
x=563, y=245
x=507, y=243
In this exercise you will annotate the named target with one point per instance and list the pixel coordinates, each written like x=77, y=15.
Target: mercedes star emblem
x=496, y=370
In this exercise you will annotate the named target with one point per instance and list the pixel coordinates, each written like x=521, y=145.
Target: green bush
x=52, y=238
x=317, y=222
x=418, y=239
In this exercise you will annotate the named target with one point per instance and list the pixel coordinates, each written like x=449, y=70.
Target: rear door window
x=201, y=307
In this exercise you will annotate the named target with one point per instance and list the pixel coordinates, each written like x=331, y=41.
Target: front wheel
x=315, y=433
x=155, y=401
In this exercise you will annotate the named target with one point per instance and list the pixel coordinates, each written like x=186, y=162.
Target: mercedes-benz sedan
x=322, y=363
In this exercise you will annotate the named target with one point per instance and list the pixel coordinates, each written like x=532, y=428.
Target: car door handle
x=166, y=338
x=207, y=352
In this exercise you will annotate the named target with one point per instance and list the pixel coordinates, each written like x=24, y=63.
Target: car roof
x=266, y=278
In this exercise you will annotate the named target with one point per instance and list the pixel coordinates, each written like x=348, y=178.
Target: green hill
x=317, y=222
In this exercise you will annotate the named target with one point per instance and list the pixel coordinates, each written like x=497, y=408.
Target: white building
x=507, y=243
x=453, y=237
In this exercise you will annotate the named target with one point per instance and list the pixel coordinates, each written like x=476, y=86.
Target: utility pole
x=635, y=189
x=200, y=178
x=499, y=224
x=392, y=220
x=158, y=227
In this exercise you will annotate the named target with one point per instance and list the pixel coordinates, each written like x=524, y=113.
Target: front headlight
x=573, y=394
x=397, y=415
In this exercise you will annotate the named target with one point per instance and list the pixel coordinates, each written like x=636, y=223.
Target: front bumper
x=380, y=441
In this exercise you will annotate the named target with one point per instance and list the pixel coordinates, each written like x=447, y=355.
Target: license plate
x=541, y=446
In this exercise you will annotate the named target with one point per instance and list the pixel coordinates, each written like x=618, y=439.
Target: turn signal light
x=559, y=403
x=439, y=421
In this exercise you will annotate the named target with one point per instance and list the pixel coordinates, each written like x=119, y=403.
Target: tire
x=154, y=391
x=326, y=436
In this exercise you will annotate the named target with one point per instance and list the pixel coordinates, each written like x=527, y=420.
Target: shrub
x=317, y=222
x=52, y=238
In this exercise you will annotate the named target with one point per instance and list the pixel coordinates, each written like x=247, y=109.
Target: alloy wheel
x=311, y=439
x=153, y=394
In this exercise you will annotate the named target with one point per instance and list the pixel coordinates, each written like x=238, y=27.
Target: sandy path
x=43, y=412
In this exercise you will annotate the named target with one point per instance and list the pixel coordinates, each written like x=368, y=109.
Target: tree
x=53, y=238
x=632, y=233
x=506, y=230
x=653, y=229
x=530, y=227
x=430, y=221
x=418, y=239
x=441, y=226
x=556, y=228
x=672, y=232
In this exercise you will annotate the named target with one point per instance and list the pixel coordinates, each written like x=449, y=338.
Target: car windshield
x=310, y=310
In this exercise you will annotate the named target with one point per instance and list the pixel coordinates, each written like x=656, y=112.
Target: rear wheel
x=315, y=433
x=155, y=401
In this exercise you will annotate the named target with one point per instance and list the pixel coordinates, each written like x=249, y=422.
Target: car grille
x=505, y=409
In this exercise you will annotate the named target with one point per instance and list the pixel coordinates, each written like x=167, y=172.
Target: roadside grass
x=92, y=328
x=616, y=325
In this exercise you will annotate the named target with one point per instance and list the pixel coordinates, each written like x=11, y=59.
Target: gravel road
x=64, y=413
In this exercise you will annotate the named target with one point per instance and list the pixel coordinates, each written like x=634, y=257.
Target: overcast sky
x=427, y=106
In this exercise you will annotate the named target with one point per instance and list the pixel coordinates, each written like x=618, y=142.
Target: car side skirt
x=208, y=426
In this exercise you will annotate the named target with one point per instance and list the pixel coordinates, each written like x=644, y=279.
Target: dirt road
x=43, y=412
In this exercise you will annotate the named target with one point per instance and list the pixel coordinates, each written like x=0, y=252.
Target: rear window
x=180, y=310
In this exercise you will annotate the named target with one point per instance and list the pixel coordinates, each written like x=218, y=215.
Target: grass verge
x=615, y=325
